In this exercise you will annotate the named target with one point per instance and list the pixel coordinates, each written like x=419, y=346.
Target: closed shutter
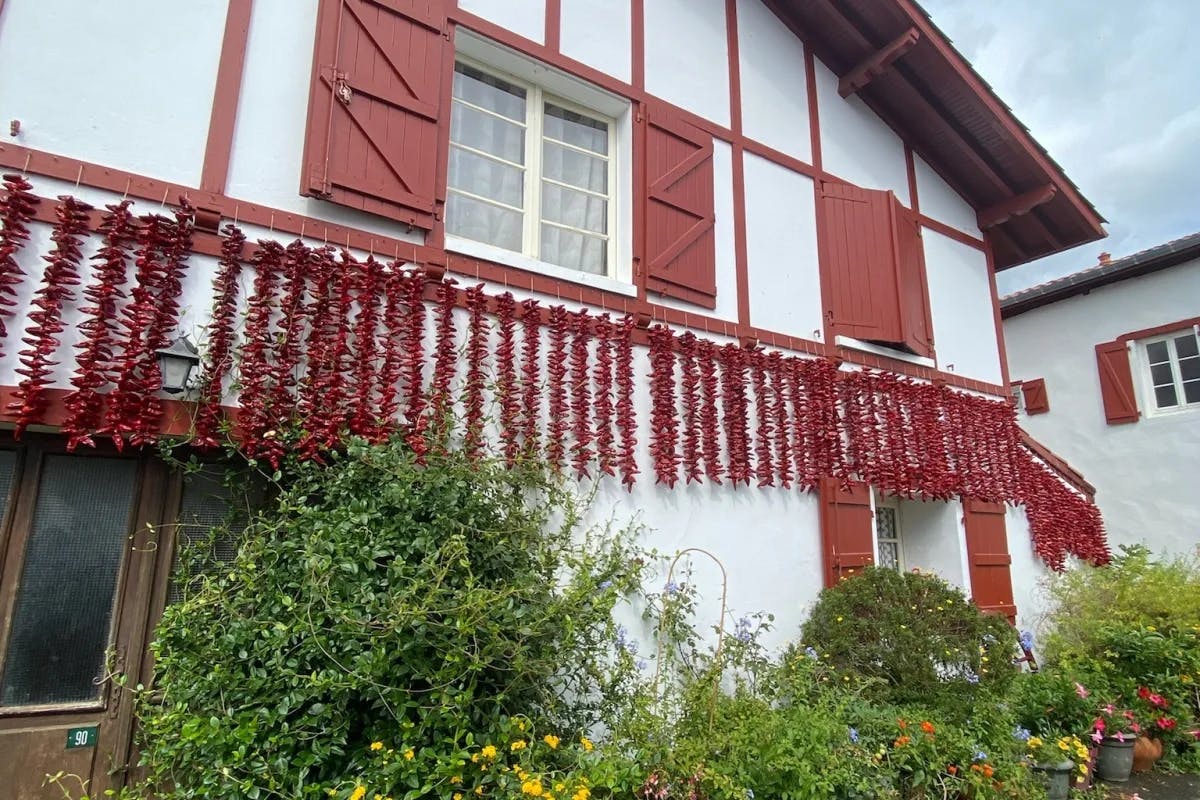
x=681, y=250
x=1116, y=383
x=377, y=97
x=1036, y=400
x=988, y=558
x=914, y=287
x=847, y=532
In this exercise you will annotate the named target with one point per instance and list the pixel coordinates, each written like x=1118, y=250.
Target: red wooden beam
x=1023, y=203
x=877, y=63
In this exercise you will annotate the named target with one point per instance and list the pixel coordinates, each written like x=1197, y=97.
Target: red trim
x=996, y=315
x=1059, y=465
x=437, y=234
x=910, y=167
x=219, y=148
x=637, y=28
x=877, y=63
x=782, y=159
x=176, y=419
x=740, y=254
x=1159, y=330
x=1005, y=210
x=814, y=114
x=553, y=34
x=952, y=233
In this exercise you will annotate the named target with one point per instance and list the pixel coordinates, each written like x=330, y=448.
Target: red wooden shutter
x=377, y=97
x=858, y=260
x=988, y=558
x=916, y=320
x=847, y=529
x=1036, y=401
x=1116, y=383
x=681, y=250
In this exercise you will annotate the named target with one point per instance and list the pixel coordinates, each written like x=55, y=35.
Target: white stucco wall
x=1144, y=473
x=773, y=81
x=937, y=200
x=687, y=56
x=933, y=540
x=128, y=87
x=960, y=302
x=781, y=249
x=599, y=34
x=1029, y=573
x=524, y=17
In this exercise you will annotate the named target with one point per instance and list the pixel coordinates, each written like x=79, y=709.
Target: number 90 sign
x=82, y=737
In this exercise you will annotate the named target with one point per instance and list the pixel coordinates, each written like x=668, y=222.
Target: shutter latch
x=341, y=88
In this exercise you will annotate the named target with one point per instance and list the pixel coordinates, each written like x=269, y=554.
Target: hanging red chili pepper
x=94, y=365
x=338, y=400
x=45, y=320
x=581, y=393
x=734, y=409
x=602, y=376
x=626, y=419
x=478, y=332
x=710, y=428
x=297, y=265
x=218, y=357
x=556, y=368
x=395, y=329
x=313, y=409
x=778, y=373
x=804, y=432
x=414, y=364
x=255, y=417
x=17, y=207
x=366, y=350
x=663, y=416
x=445, y=365
x=764, y=410
x=506, y=377
x=531, y=384
x=689, y=388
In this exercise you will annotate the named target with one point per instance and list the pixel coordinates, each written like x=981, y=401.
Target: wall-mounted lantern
x=175, y=364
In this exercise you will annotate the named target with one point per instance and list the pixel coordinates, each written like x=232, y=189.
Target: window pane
x=486, y=91
x=889, y=554
x=8, y=470
x=1189, y=369
x=576, y=129
x=483, y=222
x=1162, y=374
x=1191, y=392
x=885, y=522
x=1157, y=352
x=490, y=134
x=1164, y=396
x=1185, y=346
x=63, y=611
x=578, y=169
x=483, y=176
x=574, y=250
x=208, y=531
x=574, y=208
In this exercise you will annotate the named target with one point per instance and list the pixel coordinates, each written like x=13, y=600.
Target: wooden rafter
x=877, y=63
x=1023, y=203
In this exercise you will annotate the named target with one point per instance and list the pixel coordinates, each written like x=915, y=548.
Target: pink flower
x=1143, y=692
x=1098, y=725
x=1165, y=723
x=1098, y=737
x=1079, y=690
x=1158, y=701
x=1127, y=714
x=1120, y=736
x=1136, y=728
x=1110, y=708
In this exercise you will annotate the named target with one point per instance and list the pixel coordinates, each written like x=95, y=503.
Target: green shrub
x=917, y=634
x=422, y=607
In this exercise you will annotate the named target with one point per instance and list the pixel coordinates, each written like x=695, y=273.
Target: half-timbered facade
x=730, y=261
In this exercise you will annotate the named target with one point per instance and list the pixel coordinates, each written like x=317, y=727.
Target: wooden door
x=847, y=529
x=988, y=557
x=77, y=568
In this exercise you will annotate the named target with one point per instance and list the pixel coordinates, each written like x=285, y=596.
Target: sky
x=1109, y=88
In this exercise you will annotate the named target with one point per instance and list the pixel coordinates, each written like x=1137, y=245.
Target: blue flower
x=1026, y=640
x=811, y=653
x=972, y=678
x=622, y=635
x=742, y=630
x=604, y=585
x=854, y=735
x=1021, y=734
x=980, y=755
x=671, y=588
x=641, y=664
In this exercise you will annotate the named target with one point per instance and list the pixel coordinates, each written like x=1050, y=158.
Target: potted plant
x=1114, y=730
x=1052, y=759
x=1155, y=724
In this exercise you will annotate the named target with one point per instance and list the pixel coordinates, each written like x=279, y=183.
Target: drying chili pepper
x=556, y=368
x=506, y=377
x=298, y=264
x=391, y=372
x=414, y=363
x=663, y=420
x=254, y=368
x=313, y=408
x=94, y=367
x=580, y=393
x=218, y=357
x=764, y=410
x=445, y=365
x=780, y=378
x=734, y=409
x=602, y=378
x=710, y=433
x=626, y=419
x=690, y=388
x=366, y=350
x=477, y=350
x=45, y=320
x=531, y=387
x=17, y=207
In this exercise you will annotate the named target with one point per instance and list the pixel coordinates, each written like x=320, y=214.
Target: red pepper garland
x=45, y=321
x=779, y=375
x=366, y=346
x=734, y=408
x=313, y=407
x=663, y=421
x=478, y=332
x=297, y=265
x=445, y=354
x=506, y=377
x=805, y=426
x=531, y=388
x=93, y=365
x=710, y=426
x=556, y=368
x=580, y=394
x=391, y=374
x=414, y=364
x=692, y=423
x=255, y=370
x=626, y=421
x=17, y=207
x=219, y=355
x=764, y=434
x=602, y=377
x=338, y=397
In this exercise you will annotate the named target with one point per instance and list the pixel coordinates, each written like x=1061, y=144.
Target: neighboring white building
x=1110, y=363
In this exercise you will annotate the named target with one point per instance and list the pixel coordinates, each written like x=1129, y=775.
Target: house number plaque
x=82, y=737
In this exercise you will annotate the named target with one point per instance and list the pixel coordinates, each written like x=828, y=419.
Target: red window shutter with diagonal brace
x=847, y=529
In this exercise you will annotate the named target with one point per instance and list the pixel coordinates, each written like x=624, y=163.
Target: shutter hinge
x=341, y=88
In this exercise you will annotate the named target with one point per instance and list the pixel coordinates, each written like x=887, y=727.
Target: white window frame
x=893, y=505
x=544, y=84
x=1146, y=380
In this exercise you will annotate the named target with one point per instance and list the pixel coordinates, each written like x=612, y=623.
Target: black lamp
x=175, y=364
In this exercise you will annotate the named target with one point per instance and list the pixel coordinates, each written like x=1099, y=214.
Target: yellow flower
x=1185, y=678
x=581, y=794
x=456, y=779
x=520, y=724
x=1151, y=628
x=551, y=740
x=558, y=787
x=532, y=787
x=1034, y=742
x=376, y=746
x=409, y=754
x=458, y=796
x=488, y=751
x=839, y=619
x=378, y=797
x=359, y=793
x=474, y=758
x=519, y=744
x=479, y=790
x=1062, y=745
x=587, y=744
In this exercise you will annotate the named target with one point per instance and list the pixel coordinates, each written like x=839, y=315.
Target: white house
x=1108, y=362
x=732, y=259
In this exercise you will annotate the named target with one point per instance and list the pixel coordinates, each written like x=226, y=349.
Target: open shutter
x=847, y=531
x=1036, y=401
x=1116, y=383
x=988, y=558
x=915, y=318
x=858, y=261
x=377, y=97
x=681, y=250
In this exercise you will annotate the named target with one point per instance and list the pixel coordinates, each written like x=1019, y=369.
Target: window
x=887, y=537
x=1173, y=370
x=530, y=172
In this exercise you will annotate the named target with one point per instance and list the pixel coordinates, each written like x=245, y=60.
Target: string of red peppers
x=366, y=348
x=531, y=387
x=710, y=432
x=17, y=207
x=445, y=354
x=556, y=369
x=254, y=369
x=765, y=417
x=325, y=321
x=602, y=377
x=663, y=419
x=219, y=354
x=477, y=348
x=580, y=393
x=626, y=420
x=506, y=376
x=692, y=424
x=289, y=348
x=414, y=364
x=391, y=373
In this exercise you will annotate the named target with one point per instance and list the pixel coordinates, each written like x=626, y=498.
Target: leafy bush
x=380, y=600
x=917, y=634
x=1052, y=703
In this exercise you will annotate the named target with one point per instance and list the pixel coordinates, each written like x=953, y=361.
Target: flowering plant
x=1152, y=713
x=1114, y=723
x=1052, y=751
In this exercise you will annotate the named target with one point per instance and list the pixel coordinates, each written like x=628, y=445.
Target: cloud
x=1108, y=89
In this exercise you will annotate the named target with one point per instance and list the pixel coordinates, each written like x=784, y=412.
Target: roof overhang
x=949, y=115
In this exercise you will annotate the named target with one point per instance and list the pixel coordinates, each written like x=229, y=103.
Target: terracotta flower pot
x=1146, y=752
